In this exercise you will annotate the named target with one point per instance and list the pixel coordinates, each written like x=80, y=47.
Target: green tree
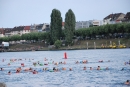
x=15, y=38
x=127, y=27
x=56, y=25
x=69, y=26
x=57, y=44
x=6, y=39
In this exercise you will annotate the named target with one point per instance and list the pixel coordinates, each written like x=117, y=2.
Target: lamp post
x=87, y=45
x=119, y=42
x=94, y=45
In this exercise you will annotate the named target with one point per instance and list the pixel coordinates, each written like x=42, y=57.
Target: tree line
x=120, y=30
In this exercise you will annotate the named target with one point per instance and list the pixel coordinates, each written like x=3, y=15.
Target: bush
x=57, y=44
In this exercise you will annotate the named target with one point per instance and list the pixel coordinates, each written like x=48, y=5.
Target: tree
x=6, y=39
x=56, y=25
x=69, y=26
x=15, y=38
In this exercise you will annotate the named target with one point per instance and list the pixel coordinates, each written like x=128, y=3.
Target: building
x=114, y=18
x=17, y=30
x=39, y=27
x=1, y=32
x=127, y=17
x=97, y=22
x=45, y=27
x=26, y=30
x=83, y=24
x=33, y=28
x=63, y=25
x=7, y=32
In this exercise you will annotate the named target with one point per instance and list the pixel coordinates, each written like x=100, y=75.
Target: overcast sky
x=26, y=12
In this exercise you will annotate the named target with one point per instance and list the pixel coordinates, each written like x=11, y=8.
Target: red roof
x=63, y=23
x=27, y=28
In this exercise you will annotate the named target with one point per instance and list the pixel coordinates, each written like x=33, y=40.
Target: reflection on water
x=113, y=77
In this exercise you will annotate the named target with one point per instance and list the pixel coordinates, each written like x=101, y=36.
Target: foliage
x=57, y=44
x=56, y=25
x=15, y=38
x=6, y=39
x=116, y=30
x=69, y=26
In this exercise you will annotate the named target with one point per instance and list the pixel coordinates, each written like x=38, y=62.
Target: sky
x=26, y=12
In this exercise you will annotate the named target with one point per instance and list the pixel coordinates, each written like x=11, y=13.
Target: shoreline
x=60, y=49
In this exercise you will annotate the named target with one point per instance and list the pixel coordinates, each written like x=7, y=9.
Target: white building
x=97, y=22
x=83, y=24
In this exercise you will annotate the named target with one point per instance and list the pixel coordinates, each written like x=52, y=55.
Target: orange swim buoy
x=65, y=55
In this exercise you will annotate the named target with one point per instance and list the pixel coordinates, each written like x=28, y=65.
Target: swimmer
x=101, y=61
x=43, y=69
x=91, y=68
x=45, y=59
x=54, y=68
x=38, y=62
x=30, y=69
x=9, y=73
x=70, y=69
x=34, y=64
x=17, y=71
x=125, y=63
x=98, y=68
x=63, y=68
x=127, y=82
x=77, y=62
x=106, y=68
x=85, y=61
x=56, y=64
x=84, y=68
x=122, y=69
x=22, y=64
x=8, y=64
x=35, y=72
x=1, y=69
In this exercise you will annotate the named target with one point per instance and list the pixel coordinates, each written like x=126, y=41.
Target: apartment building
x=83, y=24
x=114, y=18
x=127, y=17
x=45, y=27
x=97, y=22
x=7, y=32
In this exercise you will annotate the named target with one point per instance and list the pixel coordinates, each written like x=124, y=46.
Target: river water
x=112, y=58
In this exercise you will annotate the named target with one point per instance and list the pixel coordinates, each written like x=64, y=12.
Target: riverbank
x=80, y=44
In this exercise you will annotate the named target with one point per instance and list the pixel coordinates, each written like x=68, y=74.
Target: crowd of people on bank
x=54, y=69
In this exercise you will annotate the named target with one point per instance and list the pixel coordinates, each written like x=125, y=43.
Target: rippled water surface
x=114, y=77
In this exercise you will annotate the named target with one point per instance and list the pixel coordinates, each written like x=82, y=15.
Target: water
x=114, y=77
